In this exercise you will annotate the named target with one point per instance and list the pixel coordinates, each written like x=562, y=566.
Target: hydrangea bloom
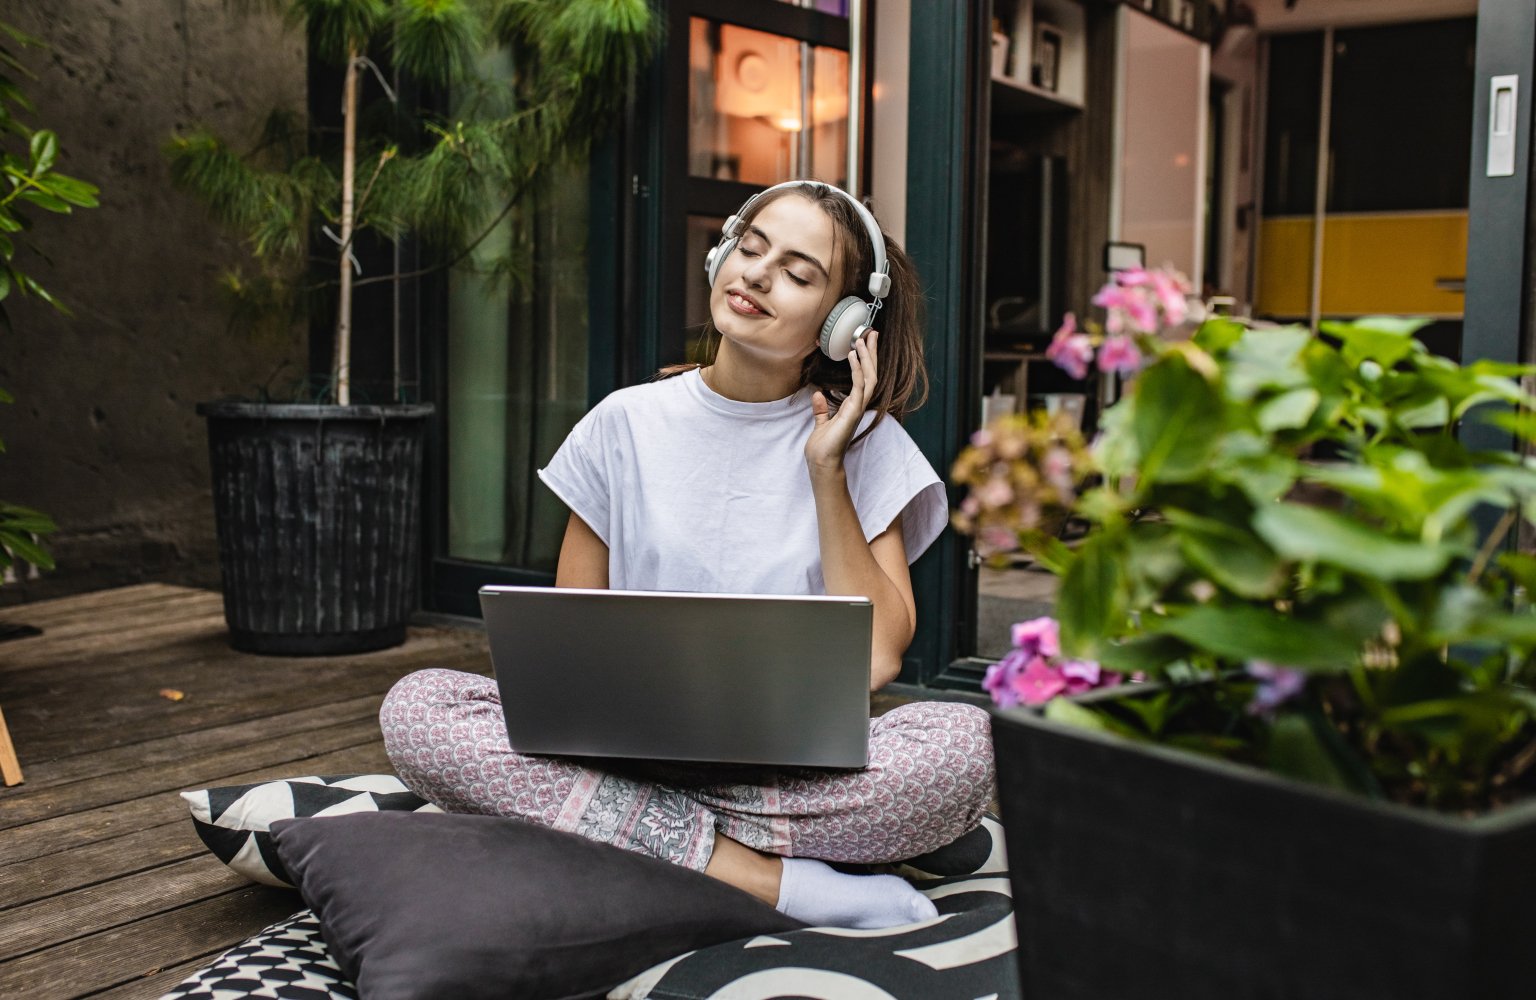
x=1070, y=350
x=1032, y=673
x=1277, y=685
x=1120, y=354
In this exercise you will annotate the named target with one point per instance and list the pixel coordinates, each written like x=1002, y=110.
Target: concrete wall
x=103, y=435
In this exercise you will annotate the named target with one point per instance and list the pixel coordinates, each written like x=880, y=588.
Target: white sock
x=824, y=897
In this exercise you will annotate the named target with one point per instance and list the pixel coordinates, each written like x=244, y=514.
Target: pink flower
x=981, y=438
x=1120, y=354
x=970, y=506
x=1171, y=294
x=1038, y=636
x=995, y=539
x=1056, y=466
x=994, y=493
x=1071, y=351
x=1038, y=683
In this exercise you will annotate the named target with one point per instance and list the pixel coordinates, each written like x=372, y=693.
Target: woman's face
x=775, y=289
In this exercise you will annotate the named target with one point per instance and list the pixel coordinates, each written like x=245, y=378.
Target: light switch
x=1502, y=105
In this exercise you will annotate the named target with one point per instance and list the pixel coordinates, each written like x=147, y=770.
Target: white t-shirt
x=692, y=491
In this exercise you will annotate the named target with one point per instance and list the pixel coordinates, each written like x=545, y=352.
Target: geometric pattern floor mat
x=287, y=961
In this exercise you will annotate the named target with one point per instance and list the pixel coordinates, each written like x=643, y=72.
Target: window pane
x=1401, y=131
x=1295, y=94
x=764, y=108
x=837, y=8
x=517, y=378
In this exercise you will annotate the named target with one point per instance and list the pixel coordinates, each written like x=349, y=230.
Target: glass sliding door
x=516, y=379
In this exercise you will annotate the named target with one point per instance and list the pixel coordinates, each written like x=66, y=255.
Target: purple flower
x=998, y=681
x=1085, y=675
x=1120, y=354
x=1038, y=637
x=1277, y=685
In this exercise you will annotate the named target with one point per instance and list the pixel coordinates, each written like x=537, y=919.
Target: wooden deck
x=105, y=890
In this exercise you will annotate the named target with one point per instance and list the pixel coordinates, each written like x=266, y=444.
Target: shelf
x=1017, y=97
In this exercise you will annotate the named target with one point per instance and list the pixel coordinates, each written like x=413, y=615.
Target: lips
x=741, y=302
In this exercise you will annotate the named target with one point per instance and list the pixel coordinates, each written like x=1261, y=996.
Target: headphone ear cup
x=842, y=327
x=716, y=257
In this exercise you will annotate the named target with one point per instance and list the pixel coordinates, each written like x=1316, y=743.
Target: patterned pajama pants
x=930, y=777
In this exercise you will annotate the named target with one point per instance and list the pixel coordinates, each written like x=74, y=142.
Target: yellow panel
x=1284, y=276
x=1390, y=263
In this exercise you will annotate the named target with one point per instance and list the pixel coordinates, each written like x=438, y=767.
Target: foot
x=824, y=897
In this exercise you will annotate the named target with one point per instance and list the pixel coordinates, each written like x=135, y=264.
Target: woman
x=770, y=470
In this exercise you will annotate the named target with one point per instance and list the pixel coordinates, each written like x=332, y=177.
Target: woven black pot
x=1142, y=872
x=319, y=514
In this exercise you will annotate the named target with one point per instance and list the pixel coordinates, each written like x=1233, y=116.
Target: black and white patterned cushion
x=966, y=953
x=233, y=821
x=287, y=961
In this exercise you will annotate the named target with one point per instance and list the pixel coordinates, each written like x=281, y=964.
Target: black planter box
x=1142, y=871
x=319, y=513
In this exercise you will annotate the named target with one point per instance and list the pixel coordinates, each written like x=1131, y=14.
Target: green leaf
x=1070, y=713
x=1229, y=554
x=1289, y=410
x=1219, y=334
x=44, y=149
x=1313, y=534
x=1089, y=603
x=43, y=199
x=1143, y=654
x=1266, y=359
x=1385, y=340
x=1178, y=421
x=1243, y=632
x=22, y=547
x=1303, y=746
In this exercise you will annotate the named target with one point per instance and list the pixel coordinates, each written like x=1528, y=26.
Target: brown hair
x=902, y=384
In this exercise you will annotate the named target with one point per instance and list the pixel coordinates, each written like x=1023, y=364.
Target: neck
x=747, y=381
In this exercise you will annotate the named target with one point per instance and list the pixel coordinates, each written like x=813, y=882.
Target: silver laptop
x=699, y=677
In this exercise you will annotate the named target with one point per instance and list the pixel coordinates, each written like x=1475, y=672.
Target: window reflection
x=764, y=108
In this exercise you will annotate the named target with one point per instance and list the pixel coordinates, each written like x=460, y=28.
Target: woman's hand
x=830, y=437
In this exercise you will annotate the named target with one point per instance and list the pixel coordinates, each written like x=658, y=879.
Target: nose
x=756, y=271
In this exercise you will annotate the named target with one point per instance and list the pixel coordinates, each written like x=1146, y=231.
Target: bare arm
x=876, y=569
x=583, y=558
x=851, y=566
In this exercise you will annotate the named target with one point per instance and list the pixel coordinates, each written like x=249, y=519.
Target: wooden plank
x=124, y=954
x=52, y=874
x=95, y=620
x=120, y=901
x=220, y=689
x=42, y=651
x=91, y=793
x=181, y=745
x=61, y=833
x=58, y=609
x=156, y=983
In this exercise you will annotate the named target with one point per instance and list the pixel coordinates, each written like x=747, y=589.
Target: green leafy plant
x=28, y=157
x=528, y=84
x=1283, y=529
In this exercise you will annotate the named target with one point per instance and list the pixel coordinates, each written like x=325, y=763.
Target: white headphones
x=852, y=317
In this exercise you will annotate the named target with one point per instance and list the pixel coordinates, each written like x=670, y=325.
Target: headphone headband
x=879, y=279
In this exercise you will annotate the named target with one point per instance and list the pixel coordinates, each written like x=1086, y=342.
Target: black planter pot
x=319, y=512
x=1142, y=871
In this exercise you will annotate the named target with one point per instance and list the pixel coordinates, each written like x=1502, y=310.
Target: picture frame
x=1045, y=61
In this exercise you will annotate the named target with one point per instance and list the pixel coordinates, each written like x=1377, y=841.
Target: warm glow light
x=1182, y=160
x=786, y=123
